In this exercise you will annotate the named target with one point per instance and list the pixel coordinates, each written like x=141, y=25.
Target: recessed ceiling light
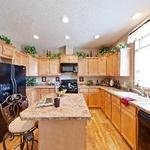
x=67, y=37
x=96, y=36
x=65, y=19
x=136, y=16
x=35, y=37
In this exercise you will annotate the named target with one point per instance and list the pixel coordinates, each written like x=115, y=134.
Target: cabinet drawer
x=130, y=109
x=115, y=100
x=94, y=90
x=83, y=90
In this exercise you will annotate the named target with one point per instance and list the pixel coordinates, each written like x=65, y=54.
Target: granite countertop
x=40, y=87
x=140, y=102
x=72, y=107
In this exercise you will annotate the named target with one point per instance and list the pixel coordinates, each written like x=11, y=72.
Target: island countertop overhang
x=72, y=107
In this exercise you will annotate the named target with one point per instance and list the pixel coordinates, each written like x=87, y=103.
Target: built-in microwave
x=69, y=67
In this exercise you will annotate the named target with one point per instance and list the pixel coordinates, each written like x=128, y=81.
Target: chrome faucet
x=141, y=91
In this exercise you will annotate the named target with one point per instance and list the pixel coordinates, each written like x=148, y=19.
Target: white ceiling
x=111, y=19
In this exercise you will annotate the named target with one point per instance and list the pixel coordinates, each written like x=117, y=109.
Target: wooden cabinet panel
x=69, y=59
x=102, y=100
x=86, y=97
x=17, y=58
x=44, y=92
x=43, y=66
x=116, y=64
x=33, y=96
x=102, y=66
x=108, y=105
x=54, y=67
x=116, y=115
x=93, y=66
x=33, y=66
x=128, y=127
x=110, y=65
x=8, y=50
x=94, y=99
x=83, y=67
x=1, y=49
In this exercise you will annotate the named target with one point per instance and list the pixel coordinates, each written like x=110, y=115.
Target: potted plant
x=54, y=55
x=31, y=50
x=5, y=39
x=81, y=54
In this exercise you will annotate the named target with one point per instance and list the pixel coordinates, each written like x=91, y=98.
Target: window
x=141, y=38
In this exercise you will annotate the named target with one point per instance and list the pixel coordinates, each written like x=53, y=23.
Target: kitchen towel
x=125, y=100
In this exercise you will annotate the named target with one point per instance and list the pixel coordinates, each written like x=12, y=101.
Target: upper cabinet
x=43, y=66
x=68, y=59
x=93, y=66
x=8, y=50
x=48, y=67
x=54, y=67
x=33, y=66
x=102, y=66
x=118, y=64
x=83, y=67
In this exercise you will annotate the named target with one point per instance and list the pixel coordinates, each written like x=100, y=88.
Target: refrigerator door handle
x=13, y=84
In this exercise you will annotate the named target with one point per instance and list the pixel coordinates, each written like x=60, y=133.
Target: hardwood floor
x=101, y=134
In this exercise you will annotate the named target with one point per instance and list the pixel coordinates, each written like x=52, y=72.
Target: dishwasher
x=143, y=130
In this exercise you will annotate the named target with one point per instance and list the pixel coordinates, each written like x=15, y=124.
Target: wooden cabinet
x=108, y=105
x=33, y=66
x=102, y=66
x=44, y=92
x=110, y=65
x=43, y=66
x=102, y=100
x=116, y=64
x=17, y=58
x=1, y=49
x=69, y=59
x=85, y=93
x=33, y=96
x=116, y=112
x=94, y=98
x=93, y=66
x=54, y=67
x=129, y=124
x=8, y=50
x=83, y=67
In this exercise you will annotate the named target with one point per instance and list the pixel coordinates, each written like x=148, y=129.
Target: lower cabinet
x=129, y=125
x=107, y=105
x=44, y=92
x=102, y=100
x=116, y=112
x=94, y=98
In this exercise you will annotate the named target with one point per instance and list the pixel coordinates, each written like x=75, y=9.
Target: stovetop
x=70, y=85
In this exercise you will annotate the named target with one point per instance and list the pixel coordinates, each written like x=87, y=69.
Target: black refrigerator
x=12, y=81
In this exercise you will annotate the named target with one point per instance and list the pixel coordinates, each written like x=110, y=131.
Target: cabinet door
x=65, y=59
x=128, y=127
x=93, y=66
x=116, y=115
x=86, y=97
x=33, y=66
x=1, y=49
x=110, y=65
x=102, y=66
x=34, y=96
x=17, y=58
x=43, y=67
x=54, y=67
x=8, y=50
x=83, y=67
x=94, y=99
x=116, y=64
x=44, y=92
x=24, y=62
x=73, y=59
x=108, y=105
x=102, y=100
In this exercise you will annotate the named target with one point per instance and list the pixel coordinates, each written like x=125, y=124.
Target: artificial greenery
x=108, y=50
x=30, y=50
x=81, y=54
x=54, y=55
x=30, y=81
x=5, y=39
x=89, y=82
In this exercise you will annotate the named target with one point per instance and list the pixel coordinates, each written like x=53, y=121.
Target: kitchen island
x=62, y=128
